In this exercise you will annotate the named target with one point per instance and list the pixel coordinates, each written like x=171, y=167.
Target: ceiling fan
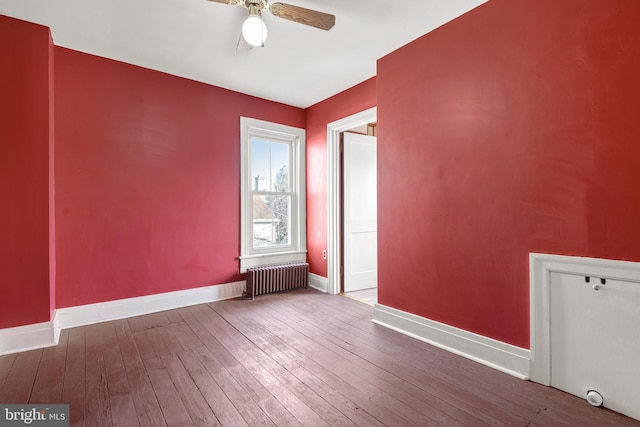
x=254, y=32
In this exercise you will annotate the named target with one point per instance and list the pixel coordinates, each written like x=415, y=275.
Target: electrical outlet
x=324, y=254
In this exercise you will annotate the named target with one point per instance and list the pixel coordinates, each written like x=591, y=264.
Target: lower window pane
x=271, y=221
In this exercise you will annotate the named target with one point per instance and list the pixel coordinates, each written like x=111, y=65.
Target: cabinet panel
x=595, y=339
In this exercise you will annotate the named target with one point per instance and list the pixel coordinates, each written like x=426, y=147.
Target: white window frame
x=297, y=249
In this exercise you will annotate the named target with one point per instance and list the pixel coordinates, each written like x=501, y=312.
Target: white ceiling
x=197, y=39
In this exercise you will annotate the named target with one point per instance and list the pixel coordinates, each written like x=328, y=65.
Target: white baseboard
x=318, y=282
x=495, y=354
x=28, y=337
x=120, y=309
x=22, y=338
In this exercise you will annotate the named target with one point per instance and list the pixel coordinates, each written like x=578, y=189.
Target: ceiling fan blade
x=226, y=1
x=313, y=18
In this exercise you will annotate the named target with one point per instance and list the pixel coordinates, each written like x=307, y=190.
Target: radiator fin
x=276, y=278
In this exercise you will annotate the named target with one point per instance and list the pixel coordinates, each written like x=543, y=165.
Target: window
x=273, y=227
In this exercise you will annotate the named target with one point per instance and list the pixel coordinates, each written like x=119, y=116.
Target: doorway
x=334, y=188
x=359, y=214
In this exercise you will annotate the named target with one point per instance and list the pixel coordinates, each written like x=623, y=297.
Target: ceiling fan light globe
x=254, y=31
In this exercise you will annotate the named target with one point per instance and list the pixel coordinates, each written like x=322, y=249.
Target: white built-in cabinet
x=595, y=339
x=585, y=335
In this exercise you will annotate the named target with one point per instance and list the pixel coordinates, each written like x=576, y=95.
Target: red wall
x=354, y=100
x=513, y=129
x=147, y=179
x=24, y=172
x=52, y=189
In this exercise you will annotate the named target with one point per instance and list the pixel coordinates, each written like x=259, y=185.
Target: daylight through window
x=271, y=195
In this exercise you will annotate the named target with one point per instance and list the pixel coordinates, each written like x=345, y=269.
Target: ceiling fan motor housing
x=256, y=5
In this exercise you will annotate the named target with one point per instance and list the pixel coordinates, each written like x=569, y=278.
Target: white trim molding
x=262, y=260
x=540, y=268
x=29, y=337
x=495, y=354
x=119, y=309
x=318, y=282
x=333, y=190
x=295, y=140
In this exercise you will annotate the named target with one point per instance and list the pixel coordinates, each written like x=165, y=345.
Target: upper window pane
x=269, y=165
x=280, y=166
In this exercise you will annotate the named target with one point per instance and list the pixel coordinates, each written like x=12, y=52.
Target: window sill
x=250, y=261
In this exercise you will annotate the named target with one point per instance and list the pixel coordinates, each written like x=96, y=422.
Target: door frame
x=334, y=206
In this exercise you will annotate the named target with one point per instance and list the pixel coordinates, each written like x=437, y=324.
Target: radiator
x=276, y=278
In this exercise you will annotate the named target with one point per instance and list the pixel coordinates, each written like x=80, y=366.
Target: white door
x=595, y=339
x=360, y=213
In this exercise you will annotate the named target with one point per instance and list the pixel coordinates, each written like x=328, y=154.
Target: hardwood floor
x=301, y=358
x=367, y=296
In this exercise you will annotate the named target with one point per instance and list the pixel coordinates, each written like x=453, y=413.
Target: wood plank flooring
x=367, y=296
x=301, y=358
